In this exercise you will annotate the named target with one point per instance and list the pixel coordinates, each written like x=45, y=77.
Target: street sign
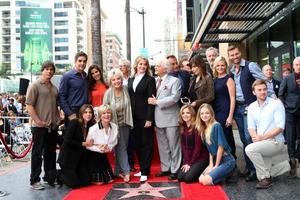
x=144, y=52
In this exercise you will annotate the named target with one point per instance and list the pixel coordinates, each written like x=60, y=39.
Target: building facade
x=267, y=31
x=113, y=48
x=68, y=32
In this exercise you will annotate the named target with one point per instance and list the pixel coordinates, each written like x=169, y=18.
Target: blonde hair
x=193, y=115
x=136, y=62
x=114, y=72
x=203, y=128
x=217, y=60
x=102, y=109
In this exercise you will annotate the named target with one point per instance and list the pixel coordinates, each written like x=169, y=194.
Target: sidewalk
x=14, y=178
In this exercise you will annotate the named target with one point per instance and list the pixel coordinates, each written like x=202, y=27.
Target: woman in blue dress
x=221, y=162
x=224, y=101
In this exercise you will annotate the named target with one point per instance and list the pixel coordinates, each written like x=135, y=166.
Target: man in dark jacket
x=268, y=72
x=289, y=94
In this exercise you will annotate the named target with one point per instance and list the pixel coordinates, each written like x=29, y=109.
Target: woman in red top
x=195, y=154
x=97, y=86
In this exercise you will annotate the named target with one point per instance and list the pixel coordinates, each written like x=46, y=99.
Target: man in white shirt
x=266, y=121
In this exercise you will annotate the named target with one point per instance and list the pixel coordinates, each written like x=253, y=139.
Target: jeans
x=44, y=147
x=121, y=157
x=226, y=166
x=241, y=120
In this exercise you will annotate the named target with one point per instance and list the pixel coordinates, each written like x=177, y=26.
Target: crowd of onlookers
x=189, y=107
x=12, y=106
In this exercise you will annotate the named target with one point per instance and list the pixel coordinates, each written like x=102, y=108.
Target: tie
x=158, y=83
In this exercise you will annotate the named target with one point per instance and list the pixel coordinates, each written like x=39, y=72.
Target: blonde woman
x=221, y=162
x=141, y=86
x=105, y=137
x=118, y=99
x=224, y=102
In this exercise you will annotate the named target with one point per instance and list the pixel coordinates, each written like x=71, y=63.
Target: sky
x=156, y=12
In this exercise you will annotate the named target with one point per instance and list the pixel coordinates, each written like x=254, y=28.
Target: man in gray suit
x=166, y=116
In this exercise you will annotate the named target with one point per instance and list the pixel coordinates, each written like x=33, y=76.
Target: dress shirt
x=100, y=136
x=73, y=91
x=136, y=80
x=265, y=117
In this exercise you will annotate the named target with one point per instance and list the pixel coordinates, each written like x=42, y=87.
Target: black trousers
x=44, y=147
x=292, y=130
x=194, y=172
x=144, y=145
x=131, y=149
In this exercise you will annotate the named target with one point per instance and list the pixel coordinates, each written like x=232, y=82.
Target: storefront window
x=263, y=48
x=297, y=30
x=280, y=33
x=252, y=49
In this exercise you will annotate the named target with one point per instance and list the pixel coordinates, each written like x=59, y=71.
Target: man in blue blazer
x=289, y=93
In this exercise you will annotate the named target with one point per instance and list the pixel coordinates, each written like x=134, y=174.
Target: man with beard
x=244, y=74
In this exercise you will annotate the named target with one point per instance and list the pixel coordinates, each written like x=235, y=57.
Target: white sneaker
x=2, y=193
x=143, y=178
x=37, y=186
x=138, y=174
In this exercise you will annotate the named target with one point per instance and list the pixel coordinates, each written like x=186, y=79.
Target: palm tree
x=96, y=33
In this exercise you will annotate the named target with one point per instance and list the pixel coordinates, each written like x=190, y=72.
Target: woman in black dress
x=72, y=156
x=224, y=101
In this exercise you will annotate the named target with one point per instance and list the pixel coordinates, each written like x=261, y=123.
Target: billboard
x=36, y=38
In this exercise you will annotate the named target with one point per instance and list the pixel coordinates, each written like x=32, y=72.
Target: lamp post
x=143, y=12
x=128, y=38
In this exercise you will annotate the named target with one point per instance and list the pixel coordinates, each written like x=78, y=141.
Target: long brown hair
x=198, y=61
x=91, y=80
x=193, y=120
x=205, y=130
x=80, y=118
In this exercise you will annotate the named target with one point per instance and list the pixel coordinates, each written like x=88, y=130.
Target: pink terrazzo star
x=144, y=189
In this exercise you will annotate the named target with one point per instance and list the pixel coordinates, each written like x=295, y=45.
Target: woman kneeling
x=105, y=137
x=221, y=162
x=195, y=155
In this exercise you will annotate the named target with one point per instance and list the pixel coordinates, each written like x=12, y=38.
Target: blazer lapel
x=162, y=85
x=293, y=82
x=141, y=83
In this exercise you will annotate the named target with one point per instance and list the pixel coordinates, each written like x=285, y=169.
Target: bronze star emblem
x=144, y=189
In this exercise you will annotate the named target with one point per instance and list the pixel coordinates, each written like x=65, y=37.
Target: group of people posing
x=191, y=115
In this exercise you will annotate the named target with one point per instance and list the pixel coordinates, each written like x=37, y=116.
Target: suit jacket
x=72, y=151
x=276, y=86
x=184, y=78
x=289, y=93
x=204, y=90
x=167, y=108
x=139, y=99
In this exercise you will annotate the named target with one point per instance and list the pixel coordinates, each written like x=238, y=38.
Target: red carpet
x=188, y=191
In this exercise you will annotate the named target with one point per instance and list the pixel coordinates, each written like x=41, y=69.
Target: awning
x=227, y=21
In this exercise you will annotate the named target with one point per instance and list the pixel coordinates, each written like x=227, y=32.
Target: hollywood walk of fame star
x=144, y=189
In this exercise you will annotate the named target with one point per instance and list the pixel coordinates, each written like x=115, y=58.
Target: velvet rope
x=14, y=155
